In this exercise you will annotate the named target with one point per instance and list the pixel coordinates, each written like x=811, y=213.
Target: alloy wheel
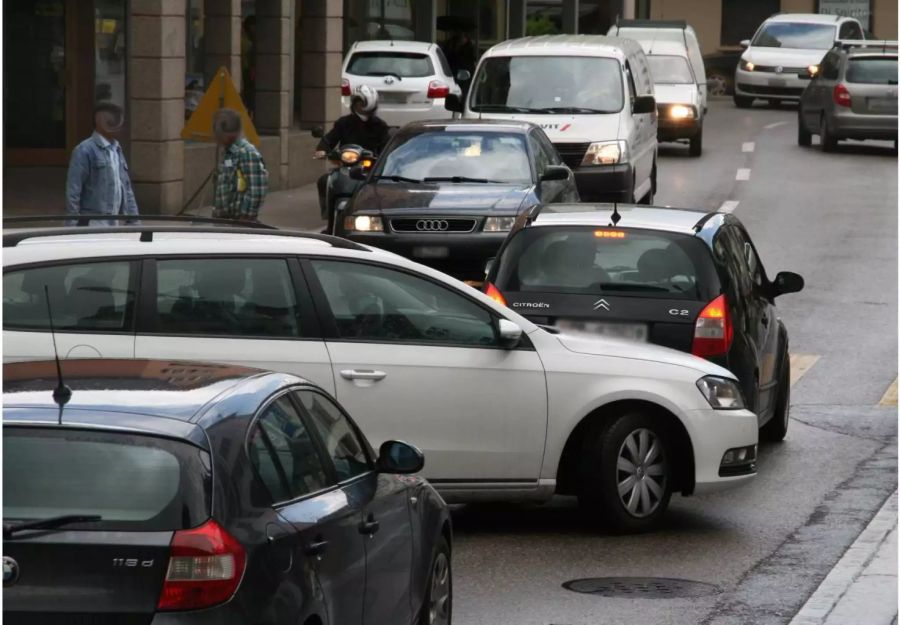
x=439, y=595
x=641, y=473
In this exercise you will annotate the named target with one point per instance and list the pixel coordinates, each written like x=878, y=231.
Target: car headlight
x=363, y=223
x=721, y=393
x=812, y=69
x=499, y=224
x=747, y=66
x=606, y=153
x=681, y=111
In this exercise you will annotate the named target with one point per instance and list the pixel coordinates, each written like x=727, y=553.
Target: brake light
x=609, y=234
x=345, y=87
x=205, y=568
x=494, y=293
x=841, y=95
x=437, y=89
x=713, y=330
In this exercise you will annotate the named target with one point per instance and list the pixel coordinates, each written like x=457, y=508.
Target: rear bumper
x=769, y=85
x=605, y=183
x=849, y=125
x=401, y=114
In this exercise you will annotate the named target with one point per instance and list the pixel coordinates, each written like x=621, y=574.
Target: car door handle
x=369, y=526
x=362, y=374
x=317, y=547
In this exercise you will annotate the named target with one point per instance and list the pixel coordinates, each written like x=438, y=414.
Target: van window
x=670, y=70
x=548, y=85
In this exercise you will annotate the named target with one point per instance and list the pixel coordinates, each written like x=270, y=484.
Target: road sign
x=221, y=94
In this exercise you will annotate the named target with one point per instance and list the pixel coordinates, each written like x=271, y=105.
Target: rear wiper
x=49, y=523
x=396, y=179
x=456, y=179
x=605, y=286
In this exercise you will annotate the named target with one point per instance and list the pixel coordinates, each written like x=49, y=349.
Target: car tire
x=776, y=428
x=608, y=466
x=804, y=136
x=437, y=608
x=696, y=148
x=743, y=102
x=827, y=141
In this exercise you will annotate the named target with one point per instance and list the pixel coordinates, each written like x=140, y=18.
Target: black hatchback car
x=685, y=279
x=172, y=493
x=446, y=193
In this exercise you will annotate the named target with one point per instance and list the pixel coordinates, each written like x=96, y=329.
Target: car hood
x=567, y=128
x=786, y=57
x=675, y=94
x=399, y=198
x=640, y=351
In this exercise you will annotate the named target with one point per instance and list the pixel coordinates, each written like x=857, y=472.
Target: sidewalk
x=295, y=209
x=861, y=589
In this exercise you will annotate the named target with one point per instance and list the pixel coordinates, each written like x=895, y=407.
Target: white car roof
x=808, y=18
x=571, y=45
x=392, y=45
x=664, y=48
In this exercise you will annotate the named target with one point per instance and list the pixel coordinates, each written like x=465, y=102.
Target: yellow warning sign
x=221, y=94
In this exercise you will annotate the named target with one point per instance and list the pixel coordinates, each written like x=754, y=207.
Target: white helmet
x=367, y=96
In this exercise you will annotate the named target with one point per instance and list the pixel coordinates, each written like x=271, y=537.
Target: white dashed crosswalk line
x=742, y=174
x=749, y=146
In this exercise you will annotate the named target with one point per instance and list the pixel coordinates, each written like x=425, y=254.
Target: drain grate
x=646, y=587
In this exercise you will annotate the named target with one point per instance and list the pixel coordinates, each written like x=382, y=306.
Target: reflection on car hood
x=675, y=94
x=582, y=128
x=440, y=198
x=786, y=57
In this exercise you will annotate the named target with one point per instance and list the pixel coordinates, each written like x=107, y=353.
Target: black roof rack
x=197, y=219
x=883, y=44
x=652, y=24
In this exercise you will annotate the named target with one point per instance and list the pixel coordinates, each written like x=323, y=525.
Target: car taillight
x=345, y=86
x=841, y=95
x=713, y=330
x=494, y=293
x=437, y=89
x=205, y=567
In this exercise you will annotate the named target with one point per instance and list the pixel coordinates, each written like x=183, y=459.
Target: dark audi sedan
x=170, y=493
x=447, y=193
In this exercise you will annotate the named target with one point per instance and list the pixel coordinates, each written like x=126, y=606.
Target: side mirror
x=463, y=75
x=555, y=172
x=357, y=173
x=399, y=457
x=644, y=104
x=453, y=103
x=318, y=132
x=488, y=265
x=787, y=282
x=509, y=333
x=745, y=43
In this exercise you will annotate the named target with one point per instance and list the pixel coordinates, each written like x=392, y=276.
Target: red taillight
x=494, y=293
x=713, y=331
x=205, y=567
x=841, y=95
x=437, y=89
x=345, y=86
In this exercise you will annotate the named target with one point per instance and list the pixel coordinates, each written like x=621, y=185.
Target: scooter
x=341, y=186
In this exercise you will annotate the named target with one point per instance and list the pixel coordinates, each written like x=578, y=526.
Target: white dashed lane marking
x=742, y=174
x=749, y=146
x=775, y=125
x=800, y=364
x=728, y=206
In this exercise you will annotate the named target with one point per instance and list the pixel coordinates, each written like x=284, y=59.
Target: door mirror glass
x=644, y=104
x=399, y=457
x=318, y=132
x=463, y=75
x=787, y=282
x=745, y=43
x=453, y=104
x=555, y=172
x=509, y=333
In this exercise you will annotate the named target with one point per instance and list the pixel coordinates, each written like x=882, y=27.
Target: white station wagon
x=502, y=408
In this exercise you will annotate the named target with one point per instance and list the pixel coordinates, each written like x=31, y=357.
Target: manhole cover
x=647, y=587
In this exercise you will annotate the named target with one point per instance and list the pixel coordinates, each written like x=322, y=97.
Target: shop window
x=248, y=54
x=740, y=18
x=109, y=51
x=366, y=20
x=543, y=18
x=596, y=16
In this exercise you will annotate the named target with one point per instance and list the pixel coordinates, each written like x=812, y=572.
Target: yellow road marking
x=800, y=364
x=890, y=396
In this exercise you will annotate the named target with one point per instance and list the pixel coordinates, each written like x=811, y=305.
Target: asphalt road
x=764, y=548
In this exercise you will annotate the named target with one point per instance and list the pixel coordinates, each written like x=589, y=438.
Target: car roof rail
x=637, y=23
x=848, y=44
x=194, y=219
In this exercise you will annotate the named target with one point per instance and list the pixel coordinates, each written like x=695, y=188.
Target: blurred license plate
x=629, y=331
x=882, y=105
x=777, y=82
x=431, y=251
x=389, y=97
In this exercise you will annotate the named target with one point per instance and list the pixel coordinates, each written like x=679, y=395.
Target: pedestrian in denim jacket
x=98, y=181
x=241, y=179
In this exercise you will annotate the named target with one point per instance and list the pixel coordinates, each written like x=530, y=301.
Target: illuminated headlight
x=747, y=66
x=721, y=393
x=681, y=111
x=363, y=223
x=813, y=70
x=605, y=153
x=499, y=224
x=349, y=157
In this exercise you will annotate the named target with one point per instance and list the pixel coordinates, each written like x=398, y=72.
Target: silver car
x=853, y=95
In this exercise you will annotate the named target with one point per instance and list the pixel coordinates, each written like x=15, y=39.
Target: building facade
x=155, y=58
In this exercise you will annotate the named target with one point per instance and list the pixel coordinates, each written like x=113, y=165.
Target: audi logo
x=432, y=225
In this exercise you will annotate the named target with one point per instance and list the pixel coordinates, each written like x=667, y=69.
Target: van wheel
x=696, y=148
x=743, y=102
x=626, y=474
x=776, y=428
x=804, y=137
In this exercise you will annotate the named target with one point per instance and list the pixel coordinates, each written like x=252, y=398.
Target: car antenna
x=615, y=217
x=62, y=393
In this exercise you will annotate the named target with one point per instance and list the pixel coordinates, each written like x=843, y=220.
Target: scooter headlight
x=363, y=223
x=349, y=157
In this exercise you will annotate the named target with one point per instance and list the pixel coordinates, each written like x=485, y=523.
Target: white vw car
x=502, y=408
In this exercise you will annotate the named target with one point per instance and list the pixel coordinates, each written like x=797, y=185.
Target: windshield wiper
x=502, y=108
x=570, y=109
x=456, y=179
x=397, y=76
x=49, y=523
x=396, y=179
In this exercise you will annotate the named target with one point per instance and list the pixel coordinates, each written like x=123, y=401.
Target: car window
x=670, y=70
x=84, y=297
x=343, y=443
x=371, y=303
x=232, y=297
x=738, y=260
x=850, y=30
x=540, y=156
x=284, y=455
x=547, y=147
x=632, y=90
x=795, y=35
x=442, y=59
x=831, y=66
x=753, y=264
x=402, y=64
x=872, y=70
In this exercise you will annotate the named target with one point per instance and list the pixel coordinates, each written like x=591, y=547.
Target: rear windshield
x=580, y=260
x=795, y=35
x=873, y=70
x=402, y=64
x=134, y=482
x=670, y=70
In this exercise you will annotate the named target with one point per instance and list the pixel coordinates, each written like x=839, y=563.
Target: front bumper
x=849, y=125
x=674, y=129
x=605, y=183
x=769, y=85
x=713, y=432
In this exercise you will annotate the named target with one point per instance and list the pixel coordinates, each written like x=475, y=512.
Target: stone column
x=156, y=66
x=628, y=9
x=222, y=38
x=274, y=73
x=516, y=22
x=322, y=40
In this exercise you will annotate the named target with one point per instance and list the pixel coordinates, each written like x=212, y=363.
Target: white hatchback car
x=502, y=408
x=412, y=79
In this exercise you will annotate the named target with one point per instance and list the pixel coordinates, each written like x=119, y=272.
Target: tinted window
x=133, y=482
x=442, y=59
x=831, y=66
x=550, y=152
x=670, y=70
x=491, y=156
x=872, y=70
x=851, y=30
x=588, y=260
x=548, y=84
x=231, y=297
x=403, y=64
x=94, y=297
x=795, y=35
x=372, y=303
x=540, y=156
x=284, y=455
x=343, y=444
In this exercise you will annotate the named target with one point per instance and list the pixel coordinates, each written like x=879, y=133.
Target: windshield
x=873, y=70
x=547, y=85
x=795, y=35
x=402, y=64
x=670, y=70
x=490, y=156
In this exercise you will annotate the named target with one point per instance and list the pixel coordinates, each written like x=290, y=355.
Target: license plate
x=431, y=251
x=882, y=105
x=777, y=82
x=628, y=331
x=389, y=97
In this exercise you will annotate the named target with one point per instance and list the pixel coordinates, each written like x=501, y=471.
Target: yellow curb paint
x=800, y=364
x=890, y=396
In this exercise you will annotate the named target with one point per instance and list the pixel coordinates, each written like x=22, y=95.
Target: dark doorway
x=740, y=18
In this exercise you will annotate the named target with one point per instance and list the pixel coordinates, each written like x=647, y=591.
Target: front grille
x=433, y=225
x=764, y=90
x=572, y=153
x=773, y=69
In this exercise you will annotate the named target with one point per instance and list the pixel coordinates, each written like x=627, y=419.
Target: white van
x=592, y=95
x=679, y=77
